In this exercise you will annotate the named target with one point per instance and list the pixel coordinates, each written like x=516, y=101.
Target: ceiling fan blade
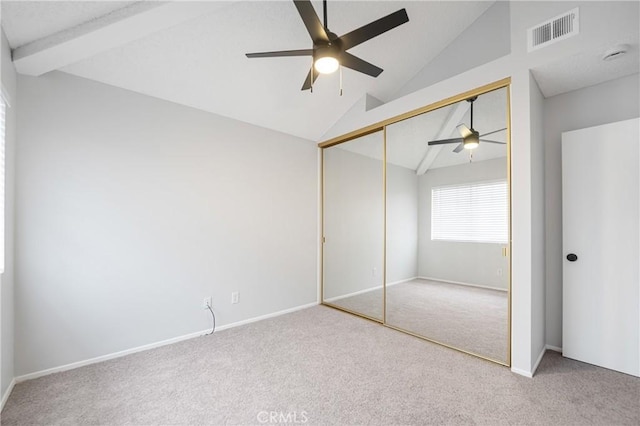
x=374, y=29
x=301, y=52
x=311, y=21
x=464, y=130
x=459, y=148
x=495, y=131
x=357, y=64
x=485, y=140
x=307, y=81
x=443, y=141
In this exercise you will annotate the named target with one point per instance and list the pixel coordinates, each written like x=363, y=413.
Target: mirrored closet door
x=416, y=223
x=448, y=226
x=353, y=214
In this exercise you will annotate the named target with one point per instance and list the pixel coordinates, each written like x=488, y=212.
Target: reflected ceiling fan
x=330, y=51
x=470, y=138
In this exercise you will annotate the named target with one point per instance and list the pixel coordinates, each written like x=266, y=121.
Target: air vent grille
x=553, y=30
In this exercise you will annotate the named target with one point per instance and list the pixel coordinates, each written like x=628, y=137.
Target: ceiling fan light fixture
x=325, y=59
x=472, y=141
x=326, y=65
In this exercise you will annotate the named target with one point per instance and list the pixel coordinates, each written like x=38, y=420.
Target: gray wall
x=402, y=224
x=604, y=103
x=132, y=210
x=353, y=221
x=470, y=263
x=7, y=277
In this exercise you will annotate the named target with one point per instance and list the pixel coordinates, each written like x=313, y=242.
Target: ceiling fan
x=470, y=138
x=330, y=51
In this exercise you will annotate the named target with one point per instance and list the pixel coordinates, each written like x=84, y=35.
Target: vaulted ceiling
x=193, y=53
x=201, y=62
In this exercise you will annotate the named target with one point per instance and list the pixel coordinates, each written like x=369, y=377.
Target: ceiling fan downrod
x=324, y=9
x=471, y=100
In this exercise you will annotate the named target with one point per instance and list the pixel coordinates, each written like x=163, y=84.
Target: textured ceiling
x=587, y=67
x=603, y=25
x=27, y=21
x=202, y=63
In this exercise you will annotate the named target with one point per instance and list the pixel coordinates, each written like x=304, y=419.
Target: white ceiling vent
x=555, y=29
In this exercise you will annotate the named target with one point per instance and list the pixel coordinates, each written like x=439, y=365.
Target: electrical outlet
x=374, y=272
x=499, y=272
x=206, y=302
x=235, y=297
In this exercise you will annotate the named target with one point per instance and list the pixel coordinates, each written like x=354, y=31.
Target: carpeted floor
x=469, y=318
x=321, y=366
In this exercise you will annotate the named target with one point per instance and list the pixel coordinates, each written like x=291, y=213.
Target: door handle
x=571, y=257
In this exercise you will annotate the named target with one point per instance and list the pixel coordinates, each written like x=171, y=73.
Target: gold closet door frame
x=382, y=126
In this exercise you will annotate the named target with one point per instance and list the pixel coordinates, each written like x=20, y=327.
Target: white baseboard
x=524, y=373
x=266, y=316
x=402, y=281
x=520, y=372
x=530, y=374
x=355, y=293
x=367, y=290
x=553, y=348
x=461, y=283
x=142, y=348
x=5, y=397
x=535, y=366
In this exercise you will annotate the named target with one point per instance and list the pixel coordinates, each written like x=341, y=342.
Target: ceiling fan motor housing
x=473, y=140
x=331, y=49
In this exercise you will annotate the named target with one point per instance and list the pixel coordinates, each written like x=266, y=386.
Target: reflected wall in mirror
x=353, y=225
x=448, y=226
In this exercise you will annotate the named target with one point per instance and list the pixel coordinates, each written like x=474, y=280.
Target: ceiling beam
x=454, y=118
x=106, y=32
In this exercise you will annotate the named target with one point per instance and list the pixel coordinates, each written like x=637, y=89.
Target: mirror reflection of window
x=453, y=287
x=471, y=212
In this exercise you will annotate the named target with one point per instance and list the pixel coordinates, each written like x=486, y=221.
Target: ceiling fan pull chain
x=340, y=80
x=311, y=77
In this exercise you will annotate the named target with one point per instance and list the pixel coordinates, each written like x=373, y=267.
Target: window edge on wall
x=4, y=96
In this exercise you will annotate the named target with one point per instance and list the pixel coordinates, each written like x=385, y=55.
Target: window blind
x=475, y=212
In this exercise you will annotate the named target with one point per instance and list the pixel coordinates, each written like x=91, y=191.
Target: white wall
x=353, y=221
x=402, y=224
x=7, y=277
x=470, y=263
x=538, y=224
x=604, y=103
x=131, y=210
x=487, y=39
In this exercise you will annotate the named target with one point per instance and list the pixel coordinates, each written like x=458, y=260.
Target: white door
x=601, y=245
